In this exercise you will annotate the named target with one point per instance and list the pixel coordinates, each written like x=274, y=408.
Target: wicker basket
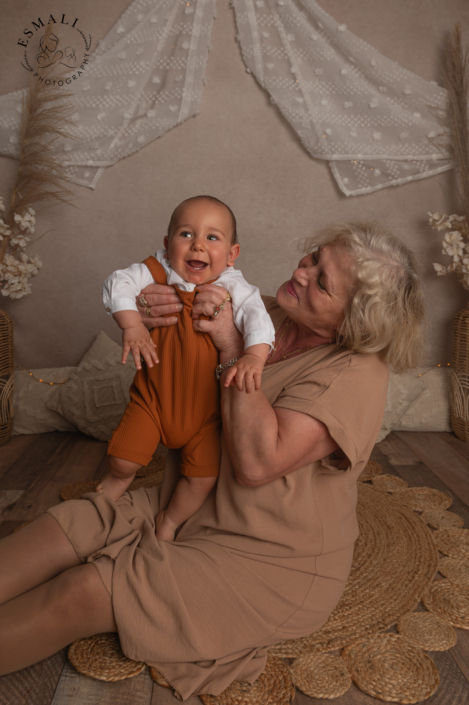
x=460, y=376
x=6, y=377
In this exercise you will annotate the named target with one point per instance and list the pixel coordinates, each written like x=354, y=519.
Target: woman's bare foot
x=165, y=527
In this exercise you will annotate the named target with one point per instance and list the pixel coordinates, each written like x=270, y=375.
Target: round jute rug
x=100, y=657
x=394, y=562
x=273, y=687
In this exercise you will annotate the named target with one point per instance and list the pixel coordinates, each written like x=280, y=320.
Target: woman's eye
x=323, y=288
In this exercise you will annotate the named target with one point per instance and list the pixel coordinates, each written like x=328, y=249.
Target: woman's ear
x=234, y=252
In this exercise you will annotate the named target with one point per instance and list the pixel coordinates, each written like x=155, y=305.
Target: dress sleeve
x=347, y=396
x=123, y=285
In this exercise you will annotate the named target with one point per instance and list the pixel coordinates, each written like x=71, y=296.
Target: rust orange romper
x=177, y=401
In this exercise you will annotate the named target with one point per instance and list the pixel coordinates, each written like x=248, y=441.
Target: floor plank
x=445, y=462
x=76, y=689
x=35, y=685
x=13, y=450
x=75, y=460
x=21, y=473
x=8, y=499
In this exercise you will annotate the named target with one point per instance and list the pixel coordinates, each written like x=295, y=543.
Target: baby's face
x=199, y=246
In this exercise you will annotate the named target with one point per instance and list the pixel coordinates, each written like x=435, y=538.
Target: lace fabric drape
x=375, y=122
x=144, y=78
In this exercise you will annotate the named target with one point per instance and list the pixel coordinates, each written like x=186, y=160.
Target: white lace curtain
x=375, y=122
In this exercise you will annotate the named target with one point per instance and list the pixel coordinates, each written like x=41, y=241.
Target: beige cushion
x=97, y=392
x=30, y=398
x=417, y=401
x=431, y=410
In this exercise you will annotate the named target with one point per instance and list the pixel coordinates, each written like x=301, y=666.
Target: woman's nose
x=303, y=275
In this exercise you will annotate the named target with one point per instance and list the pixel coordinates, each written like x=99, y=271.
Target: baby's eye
x=212, y=237
x=185, y=233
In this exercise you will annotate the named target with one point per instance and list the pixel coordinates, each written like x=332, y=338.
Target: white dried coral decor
x=17, y=267
x=455, y=244
x=375, y=122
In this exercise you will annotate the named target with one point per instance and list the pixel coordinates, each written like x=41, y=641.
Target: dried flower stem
x=45, y=118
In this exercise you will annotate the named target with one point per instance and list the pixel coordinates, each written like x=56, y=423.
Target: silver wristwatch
x=219, y=369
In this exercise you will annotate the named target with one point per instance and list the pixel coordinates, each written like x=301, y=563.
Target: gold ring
x=148, y=311
x=217, y=309
x=228, y=297
x=143, y=301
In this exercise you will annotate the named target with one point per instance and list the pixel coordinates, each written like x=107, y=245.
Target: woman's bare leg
x=37, y=553
x=37, y=624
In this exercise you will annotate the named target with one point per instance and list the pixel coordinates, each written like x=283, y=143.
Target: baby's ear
x=165, y=242
x=234, y=253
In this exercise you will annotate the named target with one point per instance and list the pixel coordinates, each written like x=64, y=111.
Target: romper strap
x=156, y=270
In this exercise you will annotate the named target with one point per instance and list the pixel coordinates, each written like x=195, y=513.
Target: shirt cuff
x=258, y=338
x=122, y=305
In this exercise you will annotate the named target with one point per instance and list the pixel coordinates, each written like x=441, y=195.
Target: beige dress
x=254, y=566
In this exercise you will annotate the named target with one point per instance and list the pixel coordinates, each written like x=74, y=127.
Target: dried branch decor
x=45, y=118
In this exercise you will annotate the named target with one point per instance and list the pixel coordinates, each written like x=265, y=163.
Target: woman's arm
x=264, y=443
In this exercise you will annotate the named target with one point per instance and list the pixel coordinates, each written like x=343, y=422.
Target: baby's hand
x=138, y=341
x=246, y=374
x=114, y=487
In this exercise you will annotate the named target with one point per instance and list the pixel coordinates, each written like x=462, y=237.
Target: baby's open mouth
x=196, y=265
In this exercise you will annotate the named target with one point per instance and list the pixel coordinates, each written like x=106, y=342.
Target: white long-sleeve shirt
x=249, y=313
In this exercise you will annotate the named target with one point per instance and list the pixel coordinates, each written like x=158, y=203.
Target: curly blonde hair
x=385, y=311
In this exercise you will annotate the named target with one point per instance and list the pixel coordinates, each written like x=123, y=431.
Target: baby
x=177, y=401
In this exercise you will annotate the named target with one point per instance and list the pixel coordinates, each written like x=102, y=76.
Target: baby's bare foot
x=165, y=528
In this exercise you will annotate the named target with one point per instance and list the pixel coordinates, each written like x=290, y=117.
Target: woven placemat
x=273, y=687
x=320, y=675
x=455, y=570
x=453, y=542
x=388, y=483
x=391, y=668
x=371, y=469
x=449, y=601
x=394, y=562
x=100, y=657
x=423, y=498
x=77, y=489
x=427, y=630
x=440, y=519
x=159, y=678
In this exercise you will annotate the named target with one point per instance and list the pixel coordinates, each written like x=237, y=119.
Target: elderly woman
x=267, y=556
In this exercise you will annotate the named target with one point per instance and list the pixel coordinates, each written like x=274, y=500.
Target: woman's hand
x=161, y=300
x=222, y=330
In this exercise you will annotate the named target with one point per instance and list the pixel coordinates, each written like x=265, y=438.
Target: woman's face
x=316, y=295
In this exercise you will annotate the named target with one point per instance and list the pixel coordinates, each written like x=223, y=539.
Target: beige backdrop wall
x=239, y=149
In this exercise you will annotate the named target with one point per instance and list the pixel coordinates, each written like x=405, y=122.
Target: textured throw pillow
x=403, y=390
x=31, y=415
x=431, y=411
x=97, y=392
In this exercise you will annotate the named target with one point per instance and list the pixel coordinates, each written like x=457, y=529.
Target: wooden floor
x=34, y=468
